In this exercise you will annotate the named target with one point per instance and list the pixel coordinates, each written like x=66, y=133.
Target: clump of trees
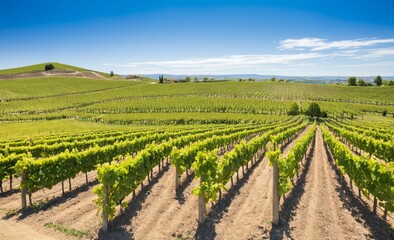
x=49, y=67
x=312, y=111
x=188, y=79
x=361, y=82
x=273, y=79
x=111, y=74
x=352, y=81
x=378, y=80
x=388, y=82
x=161, y=79
x=315, y=111
x=294, y=110
x=247, y=80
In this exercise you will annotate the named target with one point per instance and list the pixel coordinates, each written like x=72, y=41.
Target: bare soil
x=320, y=206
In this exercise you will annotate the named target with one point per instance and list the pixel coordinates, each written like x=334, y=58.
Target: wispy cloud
x=318, y=44
x=225, y=61
x=377, y=53
x=318, y=56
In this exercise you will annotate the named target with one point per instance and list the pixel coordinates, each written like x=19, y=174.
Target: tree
x=188, y=79
x=352, y=81
x=273, y=79
x=361, y=82
x=294, y=110
x=388, y=82
x=49, y=67
x=195, y=79
x=111, y=73
x=205, y=79
x=313, y=110
x=378, y=80
x=161, y=79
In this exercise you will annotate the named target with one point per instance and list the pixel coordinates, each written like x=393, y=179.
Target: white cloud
x=357, y=54
x=318, y=44
x=226, y=61
x=377, y=53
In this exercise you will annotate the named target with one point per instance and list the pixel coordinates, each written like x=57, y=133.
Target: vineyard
x=127, y=159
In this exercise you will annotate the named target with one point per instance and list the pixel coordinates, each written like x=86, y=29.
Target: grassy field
x=40, y=67
x=53, y=86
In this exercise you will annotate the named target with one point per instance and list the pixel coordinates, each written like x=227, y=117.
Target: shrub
x=49, y=67
x=294, y=110
x=378, y=80
x=352, y=81
x=313, y=110
x=161, y=79
x=361, y=82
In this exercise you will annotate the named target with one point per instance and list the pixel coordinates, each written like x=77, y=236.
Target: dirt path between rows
x=321, y=208
x=76, y=210
x=247, y=212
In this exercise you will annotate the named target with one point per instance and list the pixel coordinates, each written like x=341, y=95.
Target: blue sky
x=290, y=37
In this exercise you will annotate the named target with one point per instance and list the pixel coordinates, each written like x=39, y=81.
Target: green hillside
x=121, y=101
x=40, y=67
x=124, y=101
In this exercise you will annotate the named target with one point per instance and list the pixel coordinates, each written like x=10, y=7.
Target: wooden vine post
x=104, y=214
x=275, y=194
x=86, y=178
x=23, y=190
x=176, y=178
x=10, y=182
x=201, y=208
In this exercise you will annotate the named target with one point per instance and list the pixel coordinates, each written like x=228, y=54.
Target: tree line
x=378, y=81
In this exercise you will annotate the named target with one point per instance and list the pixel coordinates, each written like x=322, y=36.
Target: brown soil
x=320, y=206
x=247, y=210
x=75, y=209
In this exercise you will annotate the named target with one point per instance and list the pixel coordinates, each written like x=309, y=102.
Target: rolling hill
x=37, y=70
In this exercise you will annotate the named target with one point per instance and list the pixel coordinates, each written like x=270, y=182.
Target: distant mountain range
x=257, y=77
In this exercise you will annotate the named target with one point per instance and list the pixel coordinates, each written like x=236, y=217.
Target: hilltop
x=38, y=70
